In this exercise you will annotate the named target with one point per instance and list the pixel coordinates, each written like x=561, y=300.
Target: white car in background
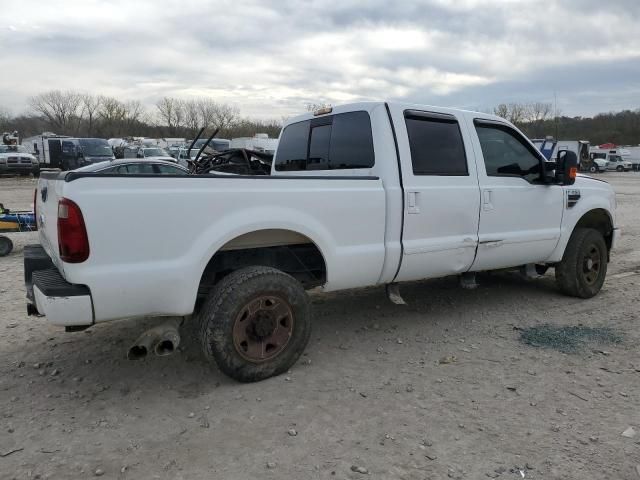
x=155, y=153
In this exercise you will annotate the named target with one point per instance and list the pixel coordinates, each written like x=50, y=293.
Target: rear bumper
x=63, y=303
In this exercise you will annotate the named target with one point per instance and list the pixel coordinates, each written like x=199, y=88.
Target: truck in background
x=550, y=148
x=616, y=158
x=67, y=153
x=47, y=148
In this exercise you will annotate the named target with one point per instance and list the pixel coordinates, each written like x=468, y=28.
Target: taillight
x=73, y=241
x=35, y=212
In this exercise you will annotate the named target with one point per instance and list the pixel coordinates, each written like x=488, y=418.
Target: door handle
x=487, y=200
x=412, y=202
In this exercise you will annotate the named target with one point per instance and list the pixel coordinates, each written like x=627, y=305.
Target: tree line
x=86, y=115
x=81, y=114
x=538, y=120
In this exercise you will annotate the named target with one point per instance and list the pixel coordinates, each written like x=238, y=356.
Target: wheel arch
x=598, y=219
x=596, y=216
x=285, y=249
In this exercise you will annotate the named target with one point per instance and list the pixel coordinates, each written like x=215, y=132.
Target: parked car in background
x=218, y=144
x=149, y=153
x=17, y=159
x=136, y=166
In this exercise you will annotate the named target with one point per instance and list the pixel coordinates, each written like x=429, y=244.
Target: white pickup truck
x=359, y=195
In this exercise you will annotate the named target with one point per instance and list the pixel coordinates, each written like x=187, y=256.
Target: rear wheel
x=6, y=245
x=255, y=324
x=583, y=268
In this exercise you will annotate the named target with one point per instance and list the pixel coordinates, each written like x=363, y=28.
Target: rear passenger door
x=442, y=197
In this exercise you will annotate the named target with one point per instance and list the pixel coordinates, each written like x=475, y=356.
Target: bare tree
x=111, y=113
x=166, y=108
x=513, y=112
x=171, y=111
x=207, y=109
x=191, y=115
x=90, y=106
x=61, y=109
x=217, y=115
x=537, y=112
x=226, y=115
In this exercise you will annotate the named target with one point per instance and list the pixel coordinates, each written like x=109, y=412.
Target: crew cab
x=363, y=194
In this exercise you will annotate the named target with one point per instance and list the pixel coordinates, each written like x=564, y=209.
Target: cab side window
x=506, y=153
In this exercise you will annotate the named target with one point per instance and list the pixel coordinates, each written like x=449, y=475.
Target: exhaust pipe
x=162, y=340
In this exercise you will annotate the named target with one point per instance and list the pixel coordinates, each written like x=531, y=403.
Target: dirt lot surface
x=441, y=388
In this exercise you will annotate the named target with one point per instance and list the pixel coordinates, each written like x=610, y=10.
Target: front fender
x=572, y=216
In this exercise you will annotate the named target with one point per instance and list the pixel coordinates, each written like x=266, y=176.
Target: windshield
x=155, y=152
x=95, y=147
x=13, y=148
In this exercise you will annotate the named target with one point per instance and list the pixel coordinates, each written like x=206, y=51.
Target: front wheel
x=594, y=169
x=583, y=268
x=619, y=168
x=255, y=324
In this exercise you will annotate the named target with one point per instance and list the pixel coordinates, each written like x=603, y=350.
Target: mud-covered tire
x=6, y=245
x=224, y=306
x=575, y=274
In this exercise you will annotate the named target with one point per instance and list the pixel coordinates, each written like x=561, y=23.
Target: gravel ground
x=441, y=388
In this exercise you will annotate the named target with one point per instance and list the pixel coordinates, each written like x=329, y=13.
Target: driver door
x=520, y=216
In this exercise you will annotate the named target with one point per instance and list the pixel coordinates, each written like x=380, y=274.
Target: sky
x=270, y=58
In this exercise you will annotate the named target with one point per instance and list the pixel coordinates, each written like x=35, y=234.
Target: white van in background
x=616, y=159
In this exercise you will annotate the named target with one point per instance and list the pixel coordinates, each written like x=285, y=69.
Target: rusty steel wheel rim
x=263, y=327
x=591, y=264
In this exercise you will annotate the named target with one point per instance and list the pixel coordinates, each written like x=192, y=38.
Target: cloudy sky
x=272, y=57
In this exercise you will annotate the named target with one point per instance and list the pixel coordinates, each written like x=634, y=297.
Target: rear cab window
x=334, y=142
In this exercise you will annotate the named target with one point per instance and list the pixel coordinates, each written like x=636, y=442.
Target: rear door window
x=436, y=144
x=336, y=142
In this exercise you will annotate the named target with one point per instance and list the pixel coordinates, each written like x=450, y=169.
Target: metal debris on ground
x=568, y=339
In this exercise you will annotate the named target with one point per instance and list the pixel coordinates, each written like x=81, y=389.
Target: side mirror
x=566, y=167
